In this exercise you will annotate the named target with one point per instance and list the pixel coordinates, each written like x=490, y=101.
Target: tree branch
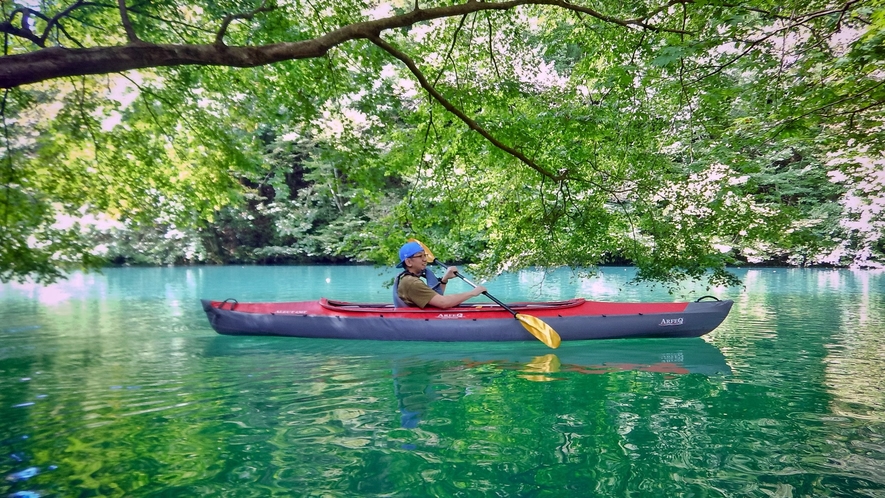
x=448, y=56
x=219, y=38
x=127, y=24
x=846, y=98
x=56, y=20
x=57, y=62
x=24, y=31
x=473, y=125
x=491, y=48
x=791, y=23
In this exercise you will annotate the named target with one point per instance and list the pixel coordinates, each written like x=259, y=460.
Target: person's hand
x=450, y=273
x=479, y=289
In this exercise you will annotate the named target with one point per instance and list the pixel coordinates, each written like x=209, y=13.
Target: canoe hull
x=576, y=320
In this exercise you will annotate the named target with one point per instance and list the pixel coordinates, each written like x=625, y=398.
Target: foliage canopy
x=681, y=136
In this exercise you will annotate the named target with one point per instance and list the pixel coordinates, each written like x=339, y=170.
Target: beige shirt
x=414, y=291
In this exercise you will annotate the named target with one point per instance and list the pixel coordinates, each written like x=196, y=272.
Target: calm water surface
x=115, y=385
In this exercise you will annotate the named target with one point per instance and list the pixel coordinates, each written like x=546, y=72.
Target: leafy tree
x=682, y=136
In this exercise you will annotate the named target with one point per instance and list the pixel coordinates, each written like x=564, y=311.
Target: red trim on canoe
x=339, y=306
x=572, y=307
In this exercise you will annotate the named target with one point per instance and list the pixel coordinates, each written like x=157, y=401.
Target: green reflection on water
x=114, y=385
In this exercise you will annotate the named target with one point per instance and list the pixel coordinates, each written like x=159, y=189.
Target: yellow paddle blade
x=540, y=330
x=430, y=256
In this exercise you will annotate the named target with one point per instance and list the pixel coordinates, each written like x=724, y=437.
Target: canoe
x=574, y=319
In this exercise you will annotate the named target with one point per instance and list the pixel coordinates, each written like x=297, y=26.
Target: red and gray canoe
x=574, y=319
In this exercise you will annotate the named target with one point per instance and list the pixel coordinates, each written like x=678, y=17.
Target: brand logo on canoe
x=450, y=315
x=290, y=312
x=669, y=322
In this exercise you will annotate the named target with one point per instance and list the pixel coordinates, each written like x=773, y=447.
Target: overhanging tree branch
x=56, y=62
x=24, y=31
x=127, y=24
x=473, y=125
x=219, y=38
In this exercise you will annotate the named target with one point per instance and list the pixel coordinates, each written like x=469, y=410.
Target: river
x=114, y=384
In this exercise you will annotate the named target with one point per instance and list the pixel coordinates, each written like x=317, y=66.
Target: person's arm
x=445, y=302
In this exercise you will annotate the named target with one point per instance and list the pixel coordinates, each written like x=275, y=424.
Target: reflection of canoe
x=670, y=356
x=574, y=319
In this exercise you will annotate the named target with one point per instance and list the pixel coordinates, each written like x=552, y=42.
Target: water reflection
x=689, y=355
x=855, y=363
x=539, y=367
x=416, y=369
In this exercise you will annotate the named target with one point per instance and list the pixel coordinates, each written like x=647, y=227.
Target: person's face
x=418, y=262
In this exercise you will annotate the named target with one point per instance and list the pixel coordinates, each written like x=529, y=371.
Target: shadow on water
x=675, y=356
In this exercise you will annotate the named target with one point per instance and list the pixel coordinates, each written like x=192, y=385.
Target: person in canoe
x=410, y=290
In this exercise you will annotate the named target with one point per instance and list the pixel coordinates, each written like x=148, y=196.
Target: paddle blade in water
x=540, y=330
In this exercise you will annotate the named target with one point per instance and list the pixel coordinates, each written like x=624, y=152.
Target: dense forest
x=679, y=136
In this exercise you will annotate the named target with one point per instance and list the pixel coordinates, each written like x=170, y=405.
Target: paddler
x=410, y=290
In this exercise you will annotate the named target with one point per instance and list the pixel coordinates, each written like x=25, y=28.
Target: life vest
x=432, y=282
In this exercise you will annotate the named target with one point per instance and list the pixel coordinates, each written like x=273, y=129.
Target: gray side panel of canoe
x=385, y=329
x=696, y=320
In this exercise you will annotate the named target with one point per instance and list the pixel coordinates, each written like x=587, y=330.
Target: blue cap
x=407, y=251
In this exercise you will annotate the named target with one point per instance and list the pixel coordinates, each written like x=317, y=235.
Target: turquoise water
x=114, y=385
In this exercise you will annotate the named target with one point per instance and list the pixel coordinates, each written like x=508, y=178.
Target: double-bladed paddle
x=534, y=325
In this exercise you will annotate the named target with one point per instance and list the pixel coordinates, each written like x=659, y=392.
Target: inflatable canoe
x=575, y=319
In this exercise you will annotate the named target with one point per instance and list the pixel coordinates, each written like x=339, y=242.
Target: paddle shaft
x=493, y=298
